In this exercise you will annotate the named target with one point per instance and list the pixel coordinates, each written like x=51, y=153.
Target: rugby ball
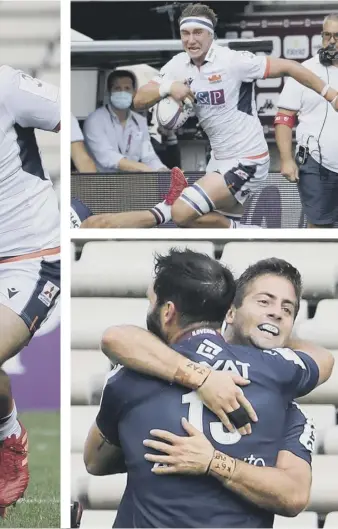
x=171, y=115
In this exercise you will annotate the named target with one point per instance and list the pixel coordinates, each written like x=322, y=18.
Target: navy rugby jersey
x=78, y=213
x=133, y=404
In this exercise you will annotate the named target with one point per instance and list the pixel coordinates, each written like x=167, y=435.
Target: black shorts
x=318, y=189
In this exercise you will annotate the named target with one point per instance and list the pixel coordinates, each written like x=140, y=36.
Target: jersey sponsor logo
x=287, y=354
x=212, y=97
x=242, y=174
x=11, y=292
x=48, y=293
x=208, y=349
x=38, y=88
x=197, y=332
x=248, y=54
x=308, y=435
x=256, y=461
x=215, y=78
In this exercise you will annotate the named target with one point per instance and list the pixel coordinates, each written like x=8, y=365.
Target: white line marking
x=41, y=501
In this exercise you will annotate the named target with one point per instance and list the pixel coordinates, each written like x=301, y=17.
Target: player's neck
x=230, y=336
x=178, y=333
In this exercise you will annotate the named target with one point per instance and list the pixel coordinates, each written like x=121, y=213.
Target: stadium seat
x=324, y=491
x=82, y=418
x=92, y=316
x=26, y=56
x=327, y=393
x=89, y=368
x=14, y=25
x=331, y=442
x=331, y=520
x=98, y=519
x=324, y=418
x=304, y=519
x=103, y=492
x=7, y=8
x=308, y=257
x=323, y=328
x=50, y=76
x=107, y=268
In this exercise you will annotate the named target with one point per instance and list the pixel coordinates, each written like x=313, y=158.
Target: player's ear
x=169, y=312
x=230, y=315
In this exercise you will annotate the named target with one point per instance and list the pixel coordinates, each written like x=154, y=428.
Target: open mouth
x=270, y=330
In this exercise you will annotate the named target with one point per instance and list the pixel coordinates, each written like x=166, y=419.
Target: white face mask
x=121, y=100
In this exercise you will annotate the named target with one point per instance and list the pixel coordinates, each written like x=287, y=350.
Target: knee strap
x=198, y=199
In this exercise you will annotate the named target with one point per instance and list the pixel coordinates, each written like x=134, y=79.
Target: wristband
x=221, y=466
x=333, y=101
x=164, y=87
x=325, y=90
x=190, y=374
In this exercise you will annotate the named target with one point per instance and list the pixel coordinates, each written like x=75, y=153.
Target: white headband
x=197, y=22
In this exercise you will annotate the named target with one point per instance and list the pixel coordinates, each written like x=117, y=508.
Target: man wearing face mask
x=117, y=137
x=315, y=168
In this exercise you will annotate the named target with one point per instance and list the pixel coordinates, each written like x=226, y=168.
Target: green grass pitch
x=41, y=505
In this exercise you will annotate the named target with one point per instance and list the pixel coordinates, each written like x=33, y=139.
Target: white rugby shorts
x=243, y=176
x=31, y=287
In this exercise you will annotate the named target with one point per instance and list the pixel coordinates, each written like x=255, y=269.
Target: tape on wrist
x=333, y=102
x=190, y=374
x=165, y=87
x=325, y=90
x=221, y=465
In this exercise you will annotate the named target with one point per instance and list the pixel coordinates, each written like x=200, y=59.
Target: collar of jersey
x=210, y=56
x=189, y=334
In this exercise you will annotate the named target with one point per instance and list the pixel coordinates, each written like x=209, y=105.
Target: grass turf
x=41, y=505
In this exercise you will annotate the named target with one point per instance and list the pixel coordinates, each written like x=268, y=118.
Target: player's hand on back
x=222, y=395
x=289, y=170
x=180, y=91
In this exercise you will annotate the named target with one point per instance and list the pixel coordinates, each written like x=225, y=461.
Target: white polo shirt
x=76, y=132
x=225, y=98
x=316, y=116
x=108, y=141
x=29, y=215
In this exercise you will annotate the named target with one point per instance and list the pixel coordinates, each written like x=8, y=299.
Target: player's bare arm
x=141, y=351
x=100, y=456
x=284, y=122
x=283, y=489
x=279, y=67
x=323, y=357
x=151, y=93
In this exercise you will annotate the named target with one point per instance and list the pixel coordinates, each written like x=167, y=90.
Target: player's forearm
x=131, y=165
x=283, y=135
x=141, y=351
x=269, y=488
x=323, y=357
x=147, y=96
x=82, y=161
x=308, y=78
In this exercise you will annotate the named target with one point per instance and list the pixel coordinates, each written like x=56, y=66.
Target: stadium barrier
x=276, y=205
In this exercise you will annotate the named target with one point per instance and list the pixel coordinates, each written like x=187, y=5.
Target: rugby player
x=29, y=250
x=82, y=217
x=220, y=82
x=185, y=314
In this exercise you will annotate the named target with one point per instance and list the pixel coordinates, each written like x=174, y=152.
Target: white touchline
x=41, y=501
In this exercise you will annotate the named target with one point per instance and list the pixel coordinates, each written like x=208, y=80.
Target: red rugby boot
x=14, y=474
x=178, y=182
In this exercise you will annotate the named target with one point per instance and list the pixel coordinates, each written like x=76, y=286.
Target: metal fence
x=276, y=205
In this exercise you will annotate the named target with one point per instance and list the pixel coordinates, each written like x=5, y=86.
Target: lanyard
x=127, y=149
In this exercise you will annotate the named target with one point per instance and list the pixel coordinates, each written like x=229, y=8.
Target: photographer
x=316, y=166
